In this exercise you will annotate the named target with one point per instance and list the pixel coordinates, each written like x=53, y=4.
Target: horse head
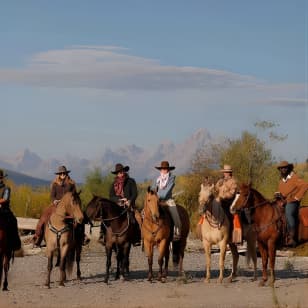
x=72, y=204
x=206, y=195
x=241, y=198
x=151, y=204
x=93, y=209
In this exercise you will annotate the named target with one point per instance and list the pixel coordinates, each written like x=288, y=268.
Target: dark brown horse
x=119, y=232
x=156, y=230
x=268, y=224
x=5, y=253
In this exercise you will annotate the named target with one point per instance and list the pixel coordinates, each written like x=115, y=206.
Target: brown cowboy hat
x=120, y=167
x=165, y=165
x=62, y=169
x=226, y=169
x=2, y=175
x=284, y=164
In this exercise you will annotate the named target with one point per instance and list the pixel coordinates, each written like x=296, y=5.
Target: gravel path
x=27, y=276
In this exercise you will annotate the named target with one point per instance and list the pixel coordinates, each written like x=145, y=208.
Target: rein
x=159, y=226
x=117, y=233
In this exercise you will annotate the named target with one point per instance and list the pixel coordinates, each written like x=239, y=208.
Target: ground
x=28, y=273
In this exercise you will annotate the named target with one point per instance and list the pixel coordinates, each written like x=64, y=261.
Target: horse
x=6, y=253
x=217, y=228
x=59, y=235
x=119, y=232
x=268, y=224
x=156, y=231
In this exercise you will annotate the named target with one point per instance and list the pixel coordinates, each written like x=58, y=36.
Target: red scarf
x=119, y=185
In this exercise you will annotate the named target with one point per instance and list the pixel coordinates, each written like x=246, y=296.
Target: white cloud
x=108, y=67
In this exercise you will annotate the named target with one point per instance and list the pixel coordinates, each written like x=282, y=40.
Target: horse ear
x=149, y=189
x=79, y=192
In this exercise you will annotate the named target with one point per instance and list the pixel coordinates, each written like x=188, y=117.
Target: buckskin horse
x=119, y=232
x=59, y=235
x=156, y=231
x=216, y=229
x=268, y=224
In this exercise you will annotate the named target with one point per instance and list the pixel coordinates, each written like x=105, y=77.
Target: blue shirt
x=166, y=192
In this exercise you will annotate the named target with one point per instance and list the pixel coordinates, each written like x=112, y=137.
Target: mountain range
x=141, y=160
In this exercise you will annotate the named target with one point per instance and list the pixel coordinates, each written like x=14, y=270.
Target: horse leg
x=108, y=262
x=6, y=270
x=272, y=257
x=120, y=262
x=235, y=258
x=125, y=262
x=163, y=255
x=207, y=250
x=264, y=257
x=62, y=270
x=222, y=256
x=78, y=254
x=49, y=268
x=252, y=252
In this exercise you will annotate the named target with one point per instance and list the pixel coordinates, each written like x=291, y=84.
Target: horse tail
x=70, y=258
x=176, y=251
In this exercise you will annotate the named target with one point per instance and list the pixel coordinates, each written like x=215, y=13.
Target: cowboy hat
x=165, y=165
x=284, y=164
x=227, y=168
x=2, y=175
x=120, y=167
x=62, y=169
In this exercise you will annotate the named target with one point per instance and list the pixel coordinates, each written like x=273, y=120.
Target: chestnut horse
x=156, y=230
x=216, y=229
x=119, y=232
x=59, y=235
x=268, y=223
x=5, y=253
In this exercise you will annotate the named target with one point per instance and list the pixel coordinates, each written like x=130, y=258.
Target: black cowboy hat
x=2, y=175
x=285, y=164
x=165, y=165
x=62, y=169
x=120, y=167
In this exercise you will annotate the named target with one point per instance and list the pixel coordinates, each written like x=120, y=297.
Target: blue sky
x=79, y=76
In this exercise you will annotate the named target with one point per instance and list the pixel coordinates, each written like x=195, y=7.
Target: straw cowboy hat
x=120, y=167
x=227, y=168
x=2, y=175
x=284, y=164
x=62, y=169
x=165, y=165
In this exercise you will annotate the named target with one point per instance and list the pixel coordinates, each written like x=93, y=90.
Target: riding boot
x=291, y=239
x=38, y=236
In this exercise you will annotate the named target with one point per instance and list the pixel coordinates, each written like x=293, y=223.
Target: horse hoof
x=206, y=280
x=219, y=280
x=262, y=283
x=163, y=280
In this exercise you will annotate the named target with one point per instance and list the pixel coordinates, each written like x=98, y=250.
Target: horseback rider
x=59, y=186
x=226, y=189
x=291, y=189
x=12, y=228
x=123, y=191
x=164, y=185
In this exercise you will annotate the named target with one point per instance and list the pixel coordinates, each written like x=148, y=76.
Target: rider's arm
x=6, y=195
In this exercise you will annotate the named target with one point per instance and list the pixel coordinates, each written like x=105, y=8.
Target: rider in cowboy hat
x=164, y=185
x=12, y=228
x=292, y=189
x=59, y=186
x=123, y=191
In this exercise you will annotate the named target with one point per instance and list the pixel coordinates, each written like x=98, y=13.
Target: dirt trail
x=27, y=276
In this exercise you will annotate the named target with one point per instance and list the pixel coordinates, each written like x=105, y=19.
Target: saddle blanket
x=303, y=215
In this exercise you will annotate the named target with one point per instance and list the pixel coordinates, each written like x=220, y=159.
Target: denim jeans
x=292, y=214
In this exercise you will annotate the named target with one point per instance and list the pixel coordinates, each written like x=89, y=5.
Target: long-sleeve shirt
x=292, y=187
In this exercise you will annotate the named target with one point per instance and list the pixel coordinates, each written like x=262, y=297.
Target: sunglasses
x=62, y=173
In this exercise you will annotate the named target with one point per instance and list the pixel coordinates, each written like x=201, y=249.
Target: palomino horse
x=156, y=231
x=216, y=229
x=119, y=232
x=268, y=223
x=59, y=235
x=5, y=253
